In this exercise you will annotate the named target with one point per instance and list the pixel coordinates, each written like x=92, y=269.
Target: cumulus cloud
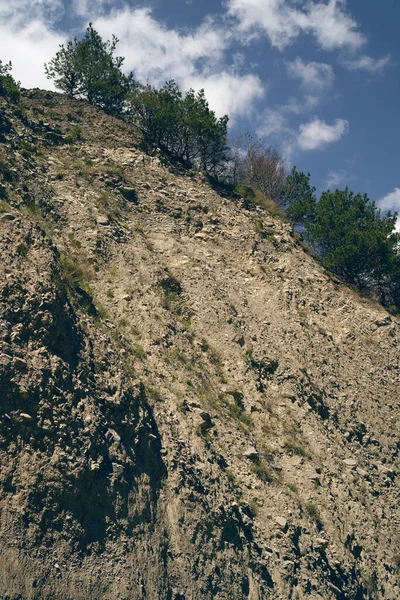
x=194, y=59
x=228, y=93
x=367, y=63
x=315, y=79
x=284, y=20
x=317, y=133
x=332, y=26
x=155, y=52
x=391, y=202
x=273, y=123
x=312, y=75
x=29, y=47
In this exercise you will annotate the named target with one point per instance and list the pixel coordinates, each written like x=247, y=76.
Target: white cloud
x=283, y=21
x=194, y=59
x=391, y=202
x=332, y=26
x=91, y=8
x=315, y=79
x=23, y=11
x=157, y=53
x=29, y=47
x=317, y=133
x=367, y=63
x=337, y=179
x=272, y=123
x=312, y=75
x=275, y=17
x=228, y=93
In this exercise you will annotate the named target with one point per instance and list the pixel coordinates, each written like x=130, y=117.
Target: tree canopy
x=88, y=69
x=356, y=241
x=298, y=197
x=183, y=125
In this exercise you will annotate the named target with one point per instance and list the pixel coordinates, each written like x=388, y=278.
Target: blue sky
x=316, y=79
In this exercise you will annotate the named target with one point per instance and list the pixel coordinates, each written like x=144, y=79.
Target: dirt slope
x=191, y=408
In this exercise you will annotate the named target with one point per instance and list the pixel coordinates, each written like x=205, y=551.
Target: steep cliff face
x=191, y=408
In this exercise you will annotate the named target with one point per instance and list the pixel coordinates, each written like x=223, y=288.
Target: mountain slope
x=192, y=408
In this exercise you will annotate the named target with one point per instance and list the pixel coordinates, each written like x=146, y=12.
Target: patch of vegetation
x=4, y=206
x=262, y=471
x=397, y=563
x=203, y=431
x=313, y=512
x=170, y=284
x=22, y=249
x=237, y=412
x=75, y=134
x=295, y=447
x=73, y=274
x=259, y=227
x=139, y=352
x=230, y=476
x=292, y=487
x=9, y=88
x=153, y=393
x=253, y=507
x=207, y=396
x=175, y=355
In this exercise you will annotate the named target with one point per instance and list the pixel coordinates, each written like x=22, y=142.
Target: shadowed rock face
x=190, y=407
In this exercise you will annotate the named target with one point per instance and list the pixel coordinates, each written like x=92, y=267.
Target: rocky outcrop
x=191, y=408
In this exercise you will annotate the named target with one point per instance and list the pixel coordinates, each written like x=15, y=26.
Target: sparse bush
x=75, y=134
x=73, y=274
x=230, y=476
x=262, y=471
x=22, y=249
x=139, y=352
x=313, y=512
x=295, y=447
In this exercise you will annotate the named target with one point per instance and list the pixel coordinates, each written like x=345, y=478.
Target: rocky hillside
x=191, y=408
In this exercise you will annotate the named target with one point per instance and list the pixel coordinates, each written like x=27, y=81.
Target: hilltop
x=192, y=407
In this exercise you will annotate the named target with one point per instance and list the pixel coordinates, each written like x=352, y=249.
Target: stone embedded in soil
x=102, y=220
x=350, y=463
x=251, y=453
x=282, y=522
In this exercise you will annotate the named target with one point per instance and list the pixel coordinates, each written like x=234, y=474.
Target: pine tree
x=88, y=69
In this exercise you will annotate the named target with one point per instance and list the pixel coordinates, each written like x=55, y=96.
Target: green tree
x=184, y=126
x=64, y=69
x=88, y=69
x=298, y=197
x=9, y=88
x=353, y=238
x=157, y=113
x=101, y=79
x=206, y=135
